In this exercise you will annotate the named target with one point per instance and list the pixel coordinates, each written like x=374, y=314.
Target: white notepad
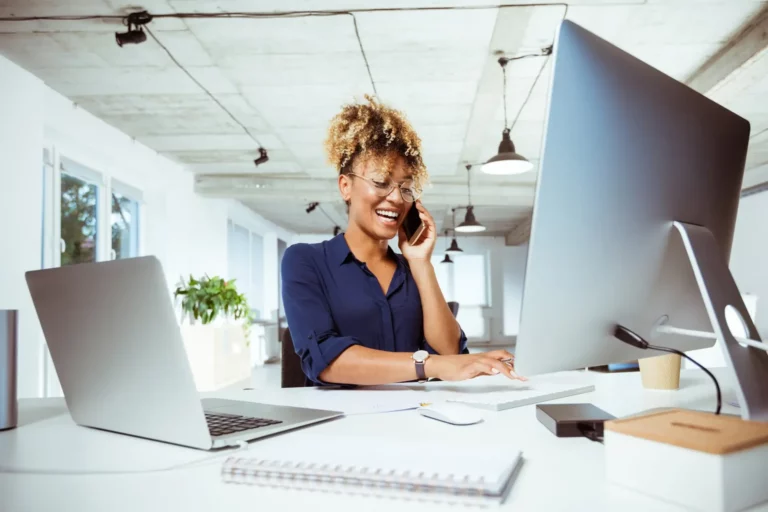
x=499, y=393
x=387, y=469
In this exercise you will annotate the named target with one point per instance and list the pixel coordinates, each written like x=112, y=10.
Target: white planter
x=217, y=354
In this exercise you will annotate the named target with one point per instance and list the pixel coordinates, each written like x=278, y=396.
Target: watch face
x=420, y=356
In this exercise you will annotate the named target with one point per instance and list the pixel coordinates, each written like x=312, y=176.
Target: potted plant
x=216, y=321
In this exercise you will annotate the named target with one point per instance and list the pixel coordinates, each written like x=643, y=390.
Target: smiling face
x=378, y=216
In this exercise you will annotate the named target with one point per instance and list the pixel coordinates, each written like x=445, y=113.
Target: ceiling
x=283, y=79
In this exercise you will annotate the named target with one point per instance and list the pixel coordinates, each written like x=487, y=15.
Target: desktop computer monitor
x=633, y=218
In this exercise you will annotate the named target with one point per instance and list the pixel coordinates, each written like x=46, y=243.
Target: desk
x=558, y=474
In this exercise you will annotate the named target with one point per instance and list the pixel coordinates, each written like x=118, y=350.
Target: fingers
x=505, y=367
x=500, y=354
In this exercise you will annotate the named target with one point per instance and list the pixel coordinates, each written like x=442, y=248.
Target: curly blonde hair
x=375, y=131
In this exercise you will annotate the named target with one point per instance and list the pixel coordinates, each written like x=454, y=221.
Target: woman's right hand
x=469, y=366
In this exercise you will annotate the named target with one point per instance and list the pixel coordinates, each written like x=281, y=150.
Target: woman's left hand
x=422, y=249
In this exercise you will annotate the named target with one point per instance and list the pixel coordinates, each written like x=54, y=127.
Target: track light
x=263, y=157
x=311, y=207
x=130, y=37
x=336, y=230
x=135, y=34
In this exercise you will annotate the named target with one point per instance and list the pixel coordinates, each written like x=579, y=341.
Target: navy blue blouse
x=332, y=301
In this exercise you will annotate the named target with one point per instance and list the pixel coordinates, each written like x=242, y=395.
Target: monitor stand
x=747, y=365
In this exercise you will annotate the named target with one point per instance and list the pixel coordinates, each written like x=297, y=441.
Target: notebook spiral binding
x=351, y=479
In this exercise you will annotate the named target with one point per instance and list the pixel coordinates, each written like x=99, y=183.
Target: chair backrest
x=454, y=308
x=291, y=374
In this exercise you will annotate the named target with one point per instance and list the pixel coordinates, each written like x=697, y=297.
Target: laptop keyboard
x=220, y=424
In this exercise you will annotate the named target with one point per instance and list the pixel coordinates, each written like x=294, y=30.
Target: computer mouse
x=455, y=414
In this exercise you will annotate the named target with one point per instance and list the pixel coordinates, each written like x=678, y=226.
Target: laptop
x=115, y=342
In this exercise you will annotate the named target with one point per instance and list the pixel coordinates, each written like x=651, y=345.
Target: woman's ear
x=345, y=187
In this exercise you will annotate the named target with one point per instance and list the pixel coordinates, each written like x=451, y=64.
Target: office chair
x=291, y=374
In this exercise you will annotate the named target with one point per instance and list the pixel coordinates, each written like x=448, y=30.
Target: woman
x=359, y=313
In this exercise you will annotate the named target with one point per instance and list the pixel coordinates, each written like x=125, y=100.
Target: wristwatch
x=420, y=357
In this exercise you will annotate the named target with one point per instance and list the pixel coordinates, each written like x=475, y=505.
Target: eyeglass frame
x=416, y=194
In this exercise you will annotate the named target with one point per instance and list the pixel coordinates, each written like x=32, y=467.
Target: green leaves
x=208, y=297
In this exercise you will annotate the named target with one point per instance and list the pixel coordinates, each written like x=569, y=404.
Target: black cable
x=632, y=338
x=683, y=354
x=365, y=57
x=204, y=89
x=326, y=215
x=288, y=14
x=590, y=433
x=535, y=81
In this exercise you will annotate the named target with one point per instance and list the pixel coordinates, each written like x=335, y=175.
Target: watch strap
x=420, y=373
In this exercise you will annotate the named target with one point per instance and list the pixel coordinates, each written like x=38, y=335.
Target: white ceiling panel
x=404, y=94
x=426, y=115
x=303, y=105
x=426, y=66
x=209, y=141
x=271, y=168
x=231, y=156
x=298, y=36
x=270, y=70
x=685, y=23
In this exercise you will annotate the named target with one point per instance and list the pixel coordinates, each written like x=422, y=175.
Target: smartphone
x=413, y=225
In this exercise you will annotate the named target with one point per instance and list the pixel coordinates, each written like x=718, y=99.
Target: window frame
x=53, y=154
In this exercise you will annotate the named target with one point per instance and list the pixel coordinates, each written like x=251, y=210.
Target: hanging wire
x=503, y=63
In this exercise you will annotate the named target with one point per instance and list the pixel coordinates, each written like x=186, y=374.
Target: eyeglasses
x=383, y=188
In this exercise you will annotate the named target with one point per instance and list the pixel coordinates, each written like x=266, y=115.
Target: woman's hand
x=422, y=249
x=468, y=366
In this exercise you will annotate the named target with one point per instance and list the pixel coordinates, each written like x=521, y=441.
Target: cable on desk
x=241, y=445
x=590, y=433
x=632, y=338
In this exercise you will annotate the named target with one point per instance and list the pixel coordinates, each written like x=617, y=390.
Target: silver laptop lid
x=117, y=349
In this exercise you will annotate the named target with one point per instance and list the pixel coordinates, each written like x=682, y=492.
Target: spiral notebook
x=392, y=472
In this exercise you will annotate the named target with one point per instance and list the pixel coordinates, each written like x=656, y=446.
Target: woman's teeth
x=387, y=216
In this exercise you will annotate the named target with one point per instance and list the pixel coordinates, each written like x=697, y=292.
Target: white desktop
x=631, y=270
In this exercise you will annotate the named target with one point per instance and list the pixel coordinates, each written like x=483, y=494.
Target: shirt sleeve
x=462, y=345
x=308, y=313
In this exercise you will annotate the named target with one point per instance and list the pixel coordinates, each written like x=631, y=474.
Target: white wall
x=749, y=254
x=188, y=233
x=21, y=185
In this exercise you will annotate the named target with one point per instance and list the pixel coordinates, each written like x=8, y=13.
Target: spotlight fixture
x=336, y=230
x=311, y=206
x=135, y=34
x=263, y=157
x=454, y=244
x=470, y=224
x=507, y=160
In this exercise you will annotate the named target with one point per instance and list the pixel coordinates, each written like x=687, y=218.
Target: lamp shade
x=507, y=161
x=454, y=247
x=447, y=259
x=470, y=224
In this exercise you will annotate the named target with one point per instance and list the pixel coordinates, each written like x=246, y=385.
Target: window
x=79, y=220
x=465, y=281
x=87, y=217
x=245, y=261
x=470, y=291
x=125, y=224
